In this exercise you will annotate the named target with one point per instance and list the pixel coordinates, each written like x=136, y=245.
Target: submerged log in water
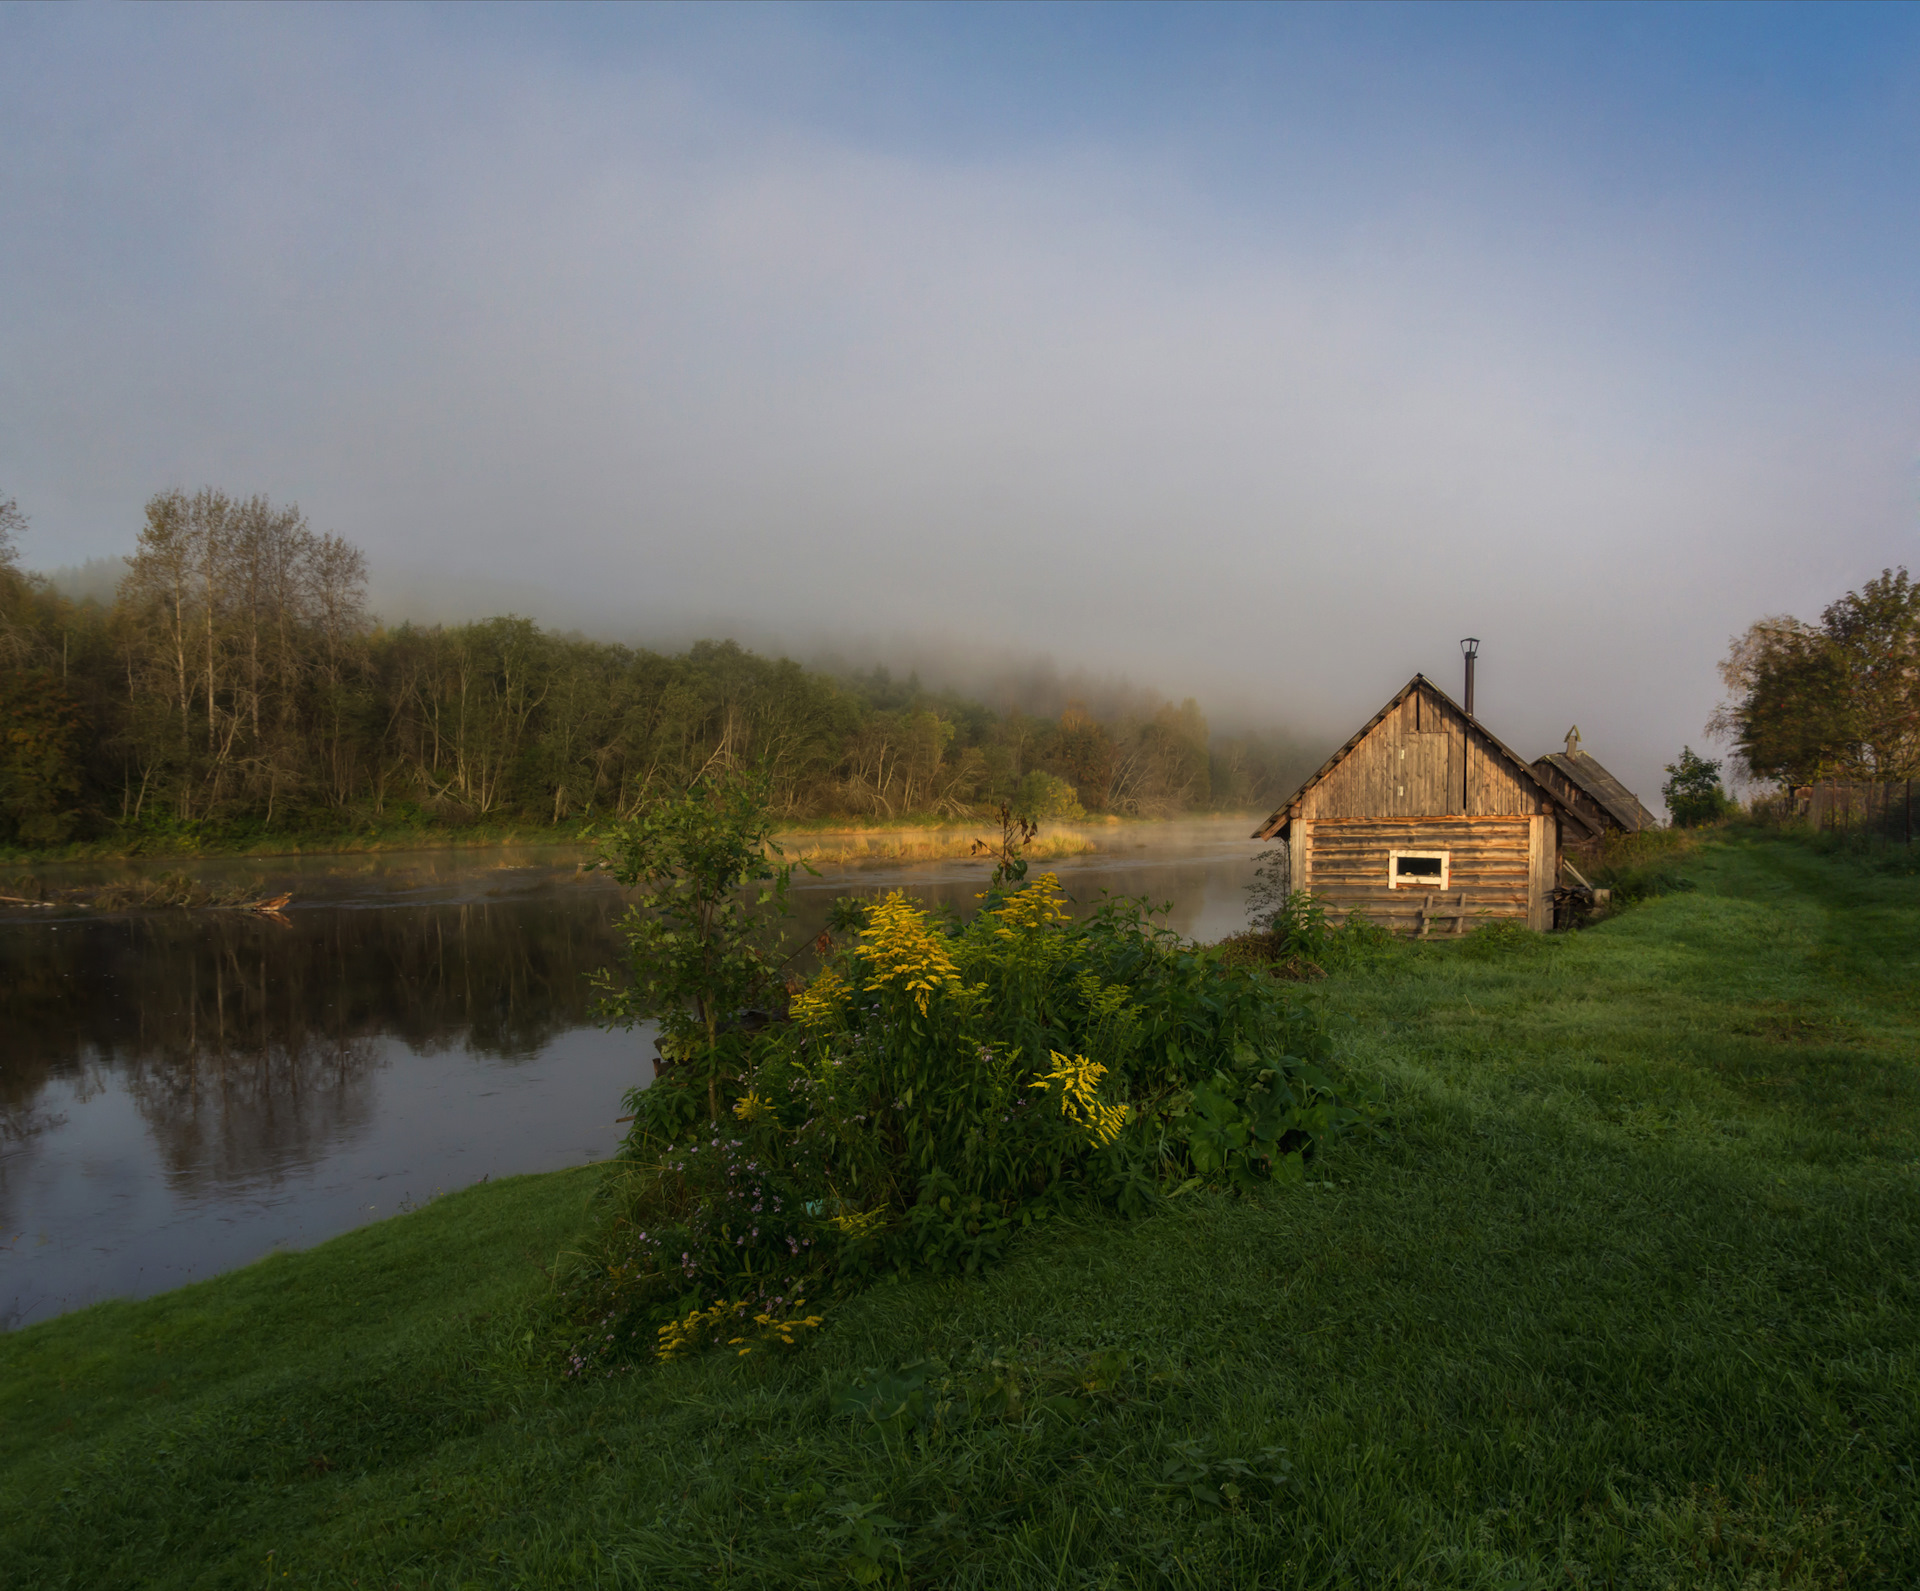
x=167, y=891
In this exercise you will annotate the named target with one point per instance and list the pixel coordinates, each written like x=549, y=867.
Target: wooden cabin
x=1602, y=803
x=1423, y=820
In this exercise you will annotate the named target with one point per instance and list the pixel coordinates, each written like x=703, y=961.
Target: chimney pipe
x=1471, y=648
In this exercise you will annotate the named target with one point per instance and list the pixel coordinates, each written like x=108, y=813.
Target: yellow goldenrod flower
x=858, y=1223
x=679, y=1336
x=1104, y=1001
x=1079, y=1082
x=902, y=952
x=1036, y=905
x=820, y=1003
x=752, y=1108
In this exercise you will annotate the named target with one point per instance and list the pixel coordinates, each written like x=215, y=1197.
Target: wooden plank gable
x=1419, y=756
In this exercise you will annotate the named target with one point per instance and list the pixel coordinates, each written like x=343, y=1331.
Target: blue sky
x=1256, y=352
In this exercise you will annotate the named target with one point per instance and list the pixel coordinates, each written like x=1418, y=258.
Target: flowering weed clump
x=937, y=1087
x=737, y=1324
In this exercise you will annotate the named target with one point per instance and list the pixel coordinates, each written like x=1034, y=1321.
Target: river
x=182, y=1092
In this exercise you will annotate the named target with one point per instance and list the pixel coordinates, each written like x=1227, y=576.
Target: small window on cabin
x=1418, y=869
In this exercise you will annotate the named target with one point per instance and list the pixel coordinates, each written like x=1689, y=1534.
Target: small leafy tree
x=1692, y=791
x=703, y=940
x=1047, y=795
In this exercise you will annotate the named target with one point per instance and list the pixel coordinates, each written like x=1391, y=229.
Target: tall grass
x=1652, y=862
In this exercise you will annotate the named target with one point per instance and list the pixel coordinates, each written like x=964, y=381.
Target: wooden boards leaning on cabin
x=1424, y=816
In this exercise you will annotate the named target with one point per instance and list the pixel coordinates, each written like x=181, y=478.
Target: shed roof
x=1519, y=764
x=1614, y=798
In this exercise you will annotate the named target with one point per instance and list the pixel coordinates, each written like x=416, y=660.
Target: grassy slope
x=1625, y=1296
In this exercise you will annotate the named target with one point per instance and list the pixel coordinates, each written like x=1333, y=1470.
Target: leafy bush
x=1291, y=931
x=938, y=1087
x=1047, y=795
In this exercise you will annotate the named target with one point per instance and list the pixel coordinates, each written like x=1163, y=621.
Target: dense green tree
x=1840, y=700
x=1046, y=795
x=1876, y=633
x=40, y=763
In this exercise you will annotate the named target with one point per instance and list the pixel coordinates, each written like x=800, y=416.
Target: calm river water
x=184, y=1092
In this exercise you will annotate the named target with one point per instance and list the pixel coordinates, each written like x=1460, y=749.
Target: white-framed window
x=1418, y=869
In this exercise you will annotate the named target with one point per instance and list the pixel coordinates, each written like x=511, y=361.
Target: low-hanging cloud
x=612, y=341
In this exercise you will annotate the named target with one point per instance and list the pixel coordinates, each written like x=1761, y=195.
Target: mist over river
x=182, y=1092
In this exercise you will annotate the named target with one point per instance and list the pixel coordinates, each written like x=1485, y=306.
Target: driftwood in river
x=165, y=892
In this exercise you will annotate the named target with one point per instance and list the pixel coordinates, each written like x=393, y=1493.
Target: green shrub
x=1302, y=930
x=937, y=1088
x=1291, y=931
x=1046, y=795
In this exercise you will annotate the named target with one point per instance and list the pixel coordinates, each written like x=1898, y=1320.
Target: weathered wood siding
x=1543, y=861
x=1588, y=810
x=1422, y=760
x=1495, y=866
x=1421, y=777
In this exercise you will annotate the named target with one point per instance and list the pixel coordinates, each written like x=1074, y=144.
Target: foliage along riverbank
x=1625, y=1295
x=235, y=688
x=820, y=841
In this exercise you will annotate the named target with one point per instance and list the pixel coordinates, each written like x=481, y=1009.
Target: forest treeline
x=1836, y=700
x=236, y=684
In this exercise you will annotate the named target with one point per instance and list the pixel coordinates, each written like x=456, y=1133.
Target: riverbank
x=814, y=840
x=934, y=843
x=1624, y=1295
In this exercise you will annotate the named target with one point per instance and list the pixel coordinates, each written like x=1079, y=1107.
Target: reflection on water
x=183, y=1092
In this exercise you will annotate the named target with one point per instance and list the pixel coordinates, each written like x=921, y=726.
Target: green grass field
x=1624, y=1294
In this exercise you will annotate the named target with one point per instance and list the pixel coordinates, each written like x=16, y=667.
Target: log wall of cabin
x=1499, y=867
x=1401, y=789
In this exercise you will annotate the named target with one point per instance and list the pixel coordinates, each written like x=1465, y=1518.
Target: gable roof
x=1607, y=792
x=1517, y=763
